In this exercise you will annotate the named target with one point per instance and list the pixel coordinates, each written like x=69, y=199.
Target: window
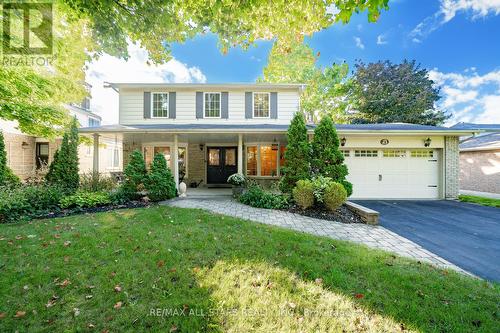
x=394, y=153
x=42, y=155
x=150, y=152
x=160, y=105
x=422, y=153
x=212, y=105
x=230, y=157
x=94, y=122
x=269, y=160
x=214, y=156
x=365, y=153
x=346, y=153
x=261, y=105
x=116, y=158
x=252, y=161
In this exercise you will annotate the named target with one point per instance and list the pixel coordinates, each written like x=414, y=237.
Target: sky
x=458, y=41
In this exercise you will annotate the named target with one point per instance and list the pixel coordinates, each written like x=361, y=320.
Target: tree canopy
x=387, y=92
x=326, y=89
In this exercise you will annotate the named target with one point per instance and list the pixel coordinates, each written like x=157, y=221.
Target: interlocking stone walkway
x=372, y=236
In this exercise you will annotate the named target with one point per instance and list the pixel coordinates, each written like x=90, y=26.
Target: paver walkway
x=372, y=236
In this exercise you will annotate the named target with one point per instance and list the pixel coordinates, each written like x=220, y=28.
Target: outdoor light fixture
x=201, y=146
x=342, y=141
x=24, y=145
x=427, y=142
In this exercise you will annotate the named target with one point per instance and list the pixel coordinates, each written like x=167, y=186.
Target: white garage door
x=393, y=173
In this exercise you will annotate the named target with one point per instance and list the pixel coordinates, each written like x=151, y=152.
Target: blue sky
x=457, y=40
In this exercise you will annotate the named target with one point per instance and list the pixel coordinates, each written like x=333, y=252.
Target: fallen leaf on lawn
x=76, y=311
x=160, y=263
x=67, y=243
x=18, y=237
x=118, y=305
x=118, y=288
x=318, y=281
x=173, y=328
x=112, y=274
x=292, y=305
x=359, y=295
x=50, y=303
x=20, y=314
x=196, y=269
x=171, y=270
x=66, y=259
x=26, y=287
x=89, y=296
x=91, y=287
x=65, y=283
x=90, y=325
x=2, y=315
x=57, y=236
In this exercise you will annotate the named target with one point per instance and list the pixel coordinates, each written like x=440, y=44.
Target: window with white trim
x=422, y=153
x=116, y=158
x=263, y=160
x=261, y=105
x=346, y=153
x=394, y=153
x=212, y=105
x=366, y=153
x=159, y=105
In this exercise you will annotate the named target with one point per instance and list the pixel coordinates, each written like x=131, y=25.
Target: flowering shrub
x=237, y=179
x=320, y=184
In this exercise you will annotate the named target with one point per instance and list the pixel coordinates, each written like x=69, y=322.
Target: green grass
x=480, y=200
x=215, y=273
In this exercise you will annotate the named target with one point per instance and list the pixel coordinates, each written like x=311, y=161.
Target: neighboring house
x=210, y=131
x=27, y=154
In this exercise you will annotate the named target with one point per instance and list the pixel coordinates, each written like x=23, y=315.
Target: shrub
x=303, y=194
x=160, y=183
x=335, y=195
x=237, y=179
x=7, y=177
x=320, y=184
x=28, y=201
x=83, y=199
x=297, y=154
x=135, y=176
x=255, y=196
x=91, y=182
x=63, y=170
x=347, y=186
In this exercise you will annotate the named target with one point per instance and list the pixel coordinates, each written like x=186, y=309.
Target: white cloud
x=134, y=70
x=469, y=96
x=381, y=40
x=449, y=9
x=359, y=43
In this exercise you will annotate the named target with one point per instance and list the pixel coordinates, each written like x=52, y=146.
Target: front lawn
x=180, y=270
x=480, y=200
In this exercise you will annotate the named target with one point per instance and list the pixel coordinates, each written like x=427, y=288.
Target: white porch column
x=95, y=155
x=175, y=160
x=240, y=153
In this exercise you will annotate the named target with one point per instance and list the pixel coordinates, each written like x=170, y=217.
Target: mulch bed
x=342, y=214
x=76, y=211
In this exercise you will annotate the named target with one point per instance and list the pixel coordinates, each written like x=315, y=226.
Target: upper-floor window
x=94, y=122
x=159, y=105
x=212, y=105
x=85, y=103
x=261, y=105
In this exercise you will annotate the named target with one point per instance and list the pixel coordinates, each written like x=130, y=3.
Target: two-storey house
x=209, y=131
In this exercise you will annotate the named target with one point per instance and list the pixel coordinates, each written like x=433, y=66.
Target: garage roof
x=482, y=142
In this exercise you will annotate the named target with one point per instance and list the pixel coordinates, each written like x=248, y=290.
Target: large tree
x=387, y=92
x=326, y=89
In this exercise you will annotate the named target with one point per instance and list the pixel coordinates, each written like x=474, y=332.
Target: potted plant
x=238, y=181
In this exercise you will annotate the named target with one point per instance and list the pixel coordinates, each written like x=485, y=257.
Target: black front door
x=222, y=162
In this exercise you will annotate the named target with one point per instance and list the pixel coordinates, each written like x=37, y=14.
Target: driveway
x=465, y=234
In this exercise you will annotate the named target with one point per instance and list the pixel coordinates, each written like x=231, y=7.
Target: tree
x=297, y=154
x=154, y=24
x=327, y=160
x=325, y=88
x=63, y=171
x=7, y=177
x=160, y=183
x=386, y=92
x=135, y=175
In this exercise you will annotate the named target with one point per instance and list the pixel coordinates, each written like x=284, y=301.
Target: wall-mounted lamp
x=24, y=145
x=427, y=142
x=201, y=147
x=342, y=141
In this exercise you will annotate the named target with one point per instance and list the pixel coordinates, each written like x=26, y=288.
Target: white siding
x=131, y=104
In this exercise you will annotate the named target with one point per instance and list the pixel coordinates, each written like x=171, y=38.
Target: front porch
x=205, y=160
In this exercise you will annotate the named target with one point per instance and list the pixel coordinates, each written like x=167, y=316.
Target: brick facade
x=452, y=167
x=196, y=164
x=480, y=171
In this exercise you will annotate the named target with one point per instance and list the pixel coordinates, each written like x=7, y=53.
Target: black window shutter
x=224, y=106
x=199, y=104
x=171, y=105
x=274, y=105
x=248, y=105
x=147, y=105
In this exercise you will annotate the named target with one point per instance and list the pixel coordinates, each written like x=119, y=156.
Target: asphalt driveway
x=465, y=234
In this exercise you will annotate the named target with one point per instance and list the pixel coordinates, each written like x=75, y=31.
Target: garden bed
x=89, y=210
x=342, y=214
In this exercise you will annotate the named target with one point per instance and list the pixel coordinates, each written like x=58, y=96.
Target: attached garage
x=398, y=173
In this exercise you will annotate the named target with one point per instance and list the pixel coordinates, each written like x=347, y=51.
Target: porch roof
x=377, y=129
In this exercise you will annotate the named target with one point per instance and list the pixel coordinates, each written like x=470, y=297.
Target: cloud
x=359, y=43
x=381, y=40
x=135, y=69
x=448, y=10
x=469, y=96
